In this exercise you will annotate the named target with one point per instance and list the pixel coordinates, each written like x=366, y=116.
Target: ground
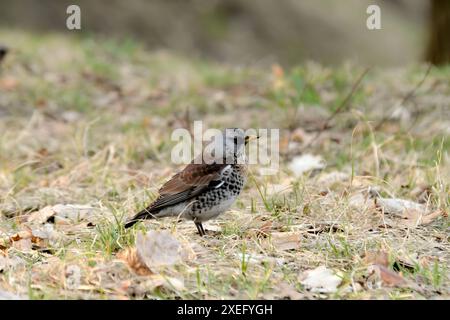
x=85, y=142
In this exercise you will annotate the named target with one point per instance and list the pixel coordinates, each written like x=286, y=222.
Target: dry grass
x=88, y=122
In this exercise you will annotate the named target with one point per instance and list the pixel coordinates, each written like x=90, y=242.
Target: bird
x=203, y=189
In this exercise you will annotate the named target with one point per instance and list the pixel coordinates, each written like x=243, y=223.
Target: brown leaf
x=286, y=240
x=24, y=245
x=321, y=280
x=8, y=83
x=324, y=228
x=377, y=257
x=388, y=277
x=25, y=234
x=398, y=207
x=131, y=258
x=415, y=217
x=284, y=291
x=433, y=216
x=42, y=216
x=162, y=248
x=25, y=240
x=262, y=231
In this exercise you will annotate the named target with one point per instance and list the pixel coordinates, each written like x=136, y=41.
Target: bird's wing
x=194, y=179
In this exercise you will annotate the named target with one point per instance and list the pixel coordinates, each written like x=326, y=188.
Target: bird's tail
x=142, y=215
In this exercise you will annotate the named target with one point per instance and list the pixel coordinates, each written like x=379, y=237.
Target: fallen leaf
x=131, y=258
x=412, y=213
x=433, y=216
x=61, y=213
x=46, y=231
x=377, y=257
x=324, y=227
x=157, y=280
x=4, y=263
x=8, y=83
x=398, y=206
x=320, y=280
x=25, y=234
x=160, y=248
x=73, y=277
x=284, y=291
x=414, y=218
x=5, y=295
x=286, y=240
x=42, y=216
x=264, y=229
x=24, y=241
x=306, y=162
x=23, y=245
x=213, y=227
x=421, y=193
x=388, y=277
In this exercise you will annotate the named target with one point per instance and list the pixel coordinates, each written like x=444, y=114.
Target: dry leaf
x=359, y=201
x=25, y=240
x=413, y=213
x=414, y=218
x=264, y=229
x=421, y=193
x=42, y=216
x=4, y=263
x=131, y=258
x=61, y=214
x=388, y=277
x=8, y=83
x=158, y=280
x=22, y=241
x=73, y=277
x=23, y=245
x=398, y=206
x=320, y=280
x=305, y=163
x=5, y=295
x=284, y=291
x=432, y=216
x=160, y=248
x=286, y=240
x=377, y=257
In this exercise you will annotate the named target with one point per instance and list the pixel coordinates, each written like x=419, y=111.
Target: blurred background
x=257, y=32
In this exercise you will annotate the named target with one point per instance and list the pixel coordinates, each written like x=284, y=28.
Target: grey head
x=228, y=147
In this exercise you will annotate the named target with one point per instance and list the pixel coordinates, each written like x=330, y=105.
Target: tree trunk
x=438, y=51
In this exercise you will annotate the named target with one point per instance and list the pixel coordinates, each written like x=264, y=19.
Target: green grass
x=89, y=122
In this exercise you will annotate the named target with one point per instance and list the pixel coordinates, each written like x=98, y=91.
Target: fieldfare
x=203, y=189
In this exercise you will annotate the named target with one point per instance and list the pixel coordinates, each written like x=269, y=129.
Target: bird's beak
x=250, y=138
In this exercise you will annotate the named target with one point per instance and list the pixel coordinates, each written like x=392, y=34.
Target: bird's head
x=235, y=140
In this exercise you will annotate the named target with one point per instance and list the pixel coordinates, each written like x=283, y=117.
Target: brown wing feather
x=192, y=175
x=186, y=184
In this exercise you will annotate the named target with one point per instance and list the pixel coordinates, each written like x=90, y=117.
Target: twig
x=339, y=109
x=408, y=96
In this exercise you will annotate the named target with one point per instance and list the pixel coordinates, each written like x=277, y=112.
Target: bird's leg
x=203, y=230
x=200, y=229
